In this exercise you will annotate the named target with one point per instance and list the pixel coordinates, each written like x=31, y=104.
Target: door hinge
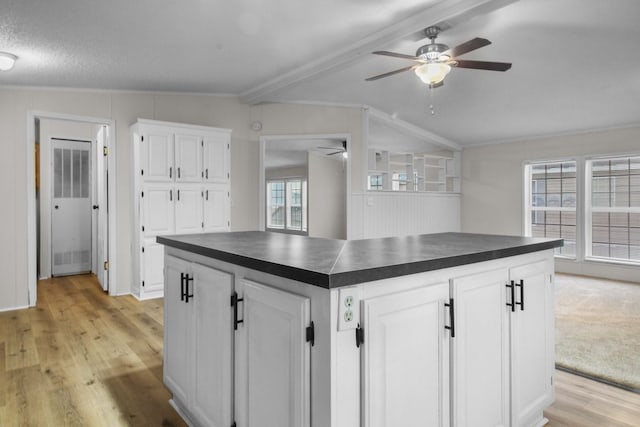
x=311, y=334
x=106, y=265
x=452, y=315
x=359, y=336
x=105, y=151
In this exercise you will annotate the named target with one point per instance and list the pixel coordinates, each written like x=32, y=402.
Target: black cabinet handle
x=452, y=316
x=182, y=293
x=234, y=303
x=206, y=173
x=170, y=172
x=513, y=296
x=521, y=286
x=171, y=195
x=178, y=171
x=187, y=295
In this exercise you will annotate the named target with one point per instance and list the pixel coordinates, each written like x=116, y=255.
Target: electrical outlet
x=348, y=308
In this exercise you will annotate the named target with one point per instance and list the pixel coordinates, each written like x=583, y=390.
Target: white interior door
x=71, y=213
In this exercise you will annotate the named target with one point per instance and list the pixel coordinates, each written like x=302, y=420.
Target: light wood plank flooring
x=82, y=358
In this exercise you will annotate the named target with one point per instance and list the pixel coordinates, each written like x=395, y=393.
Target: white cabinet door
x=188, y=210
x=532, y=342
x=216, y=159
x=213, y=340
x=157, y=156
x=158, y=210
x=188, y=158
x=178, y=331
x=216, y=208
x=152, y=263
x=406, y=358
x=481, y=350
x=272, y=358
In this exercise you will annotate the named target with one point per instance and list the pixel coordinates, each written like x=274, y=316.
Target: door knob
x=95, y=207
x=56, y=206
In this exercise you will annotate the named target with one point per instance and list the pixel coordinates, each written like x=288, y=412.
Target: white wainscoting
x=384, y=214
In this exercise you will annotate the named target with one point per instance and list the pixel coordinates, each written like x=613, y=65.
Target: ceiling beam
x=447, y=13
x=410, y=129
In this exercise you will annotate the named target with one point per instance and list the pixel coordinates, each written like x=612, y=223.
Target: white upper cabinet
x=157, y=156
x=216, y=159
x=170, y=185
x=188, y=164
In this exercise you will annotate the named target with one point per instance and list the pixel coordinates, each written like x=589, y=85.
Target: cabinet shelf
x=415, y=172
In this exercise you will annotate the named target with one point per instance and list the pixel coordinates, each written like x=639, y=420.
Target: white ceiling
x=575, y=62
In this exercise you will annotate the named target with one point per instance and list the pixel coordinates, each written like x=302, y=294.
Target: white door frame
x=32, y=244
x=262, y=184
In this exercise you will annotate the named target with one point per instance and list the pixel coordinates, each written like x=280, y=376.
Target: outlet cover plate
x=348, y=308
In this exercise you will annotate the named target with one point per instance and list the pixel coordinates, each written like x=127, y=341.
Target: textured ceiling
x=575, y=62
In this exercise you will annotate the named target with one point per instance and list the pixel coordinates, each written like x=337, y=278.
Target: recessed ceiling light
x=7, y=60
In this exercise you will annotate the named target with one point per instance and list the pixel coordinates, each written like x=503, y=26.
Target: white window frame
x=528, y=209
x=589, y=209
x=286, y=228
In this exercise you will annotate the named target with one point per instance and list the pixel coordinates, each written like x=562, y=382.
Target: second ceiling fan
x=434, y=60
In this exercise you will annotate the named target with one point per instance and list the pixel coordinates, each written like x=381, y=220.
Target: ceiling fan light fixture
x=433, y=73
x=7, y=60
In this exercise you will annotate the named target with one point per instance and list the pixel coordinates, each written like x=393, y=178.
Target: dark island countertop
x=333, y=263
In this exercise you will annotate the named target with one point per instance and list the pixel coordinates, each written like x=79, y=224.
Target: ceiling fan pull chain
x=431, y=107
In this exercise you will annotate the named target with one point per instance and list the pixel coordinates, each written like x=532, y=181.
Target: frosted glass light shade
x=433, y=73
x=7, y=60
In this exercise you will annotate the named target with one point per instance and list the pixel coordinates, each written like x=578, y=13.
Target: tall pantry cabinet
x=180, y=186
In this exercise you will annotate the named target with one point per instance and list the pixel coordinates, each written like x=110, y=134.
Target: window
x=550, y=203
x=375, y=182
x=613, y=208
x=287, y=205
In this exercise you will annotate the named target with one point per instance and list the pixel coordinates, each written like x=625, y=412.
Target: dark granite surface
x=334, y=263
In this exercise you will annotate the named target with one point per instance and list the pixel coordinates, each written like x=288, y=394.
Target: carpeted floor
x=598, y=329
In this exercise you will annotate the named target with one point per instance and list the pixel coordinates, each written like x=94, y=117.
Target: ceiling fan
x=434, y=60
x=336, y=150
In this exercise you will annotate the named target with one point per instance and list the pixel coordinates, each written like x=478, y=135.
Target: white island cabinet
x=273, y=330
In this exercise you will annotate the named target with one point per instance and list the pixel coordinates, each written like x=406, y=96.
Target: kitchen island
x=268, y=329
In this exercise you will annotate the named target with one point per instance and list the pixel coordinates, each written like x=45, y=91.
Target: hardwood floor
x=82, y=358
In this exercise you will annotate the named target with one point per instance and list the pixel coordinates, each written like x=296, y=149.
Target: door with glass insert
x=71, y=207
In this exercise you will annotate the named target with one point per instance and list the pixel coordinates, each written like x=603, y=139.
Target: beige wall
x=492, y=184
x=327, y=197
x=124, y=108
